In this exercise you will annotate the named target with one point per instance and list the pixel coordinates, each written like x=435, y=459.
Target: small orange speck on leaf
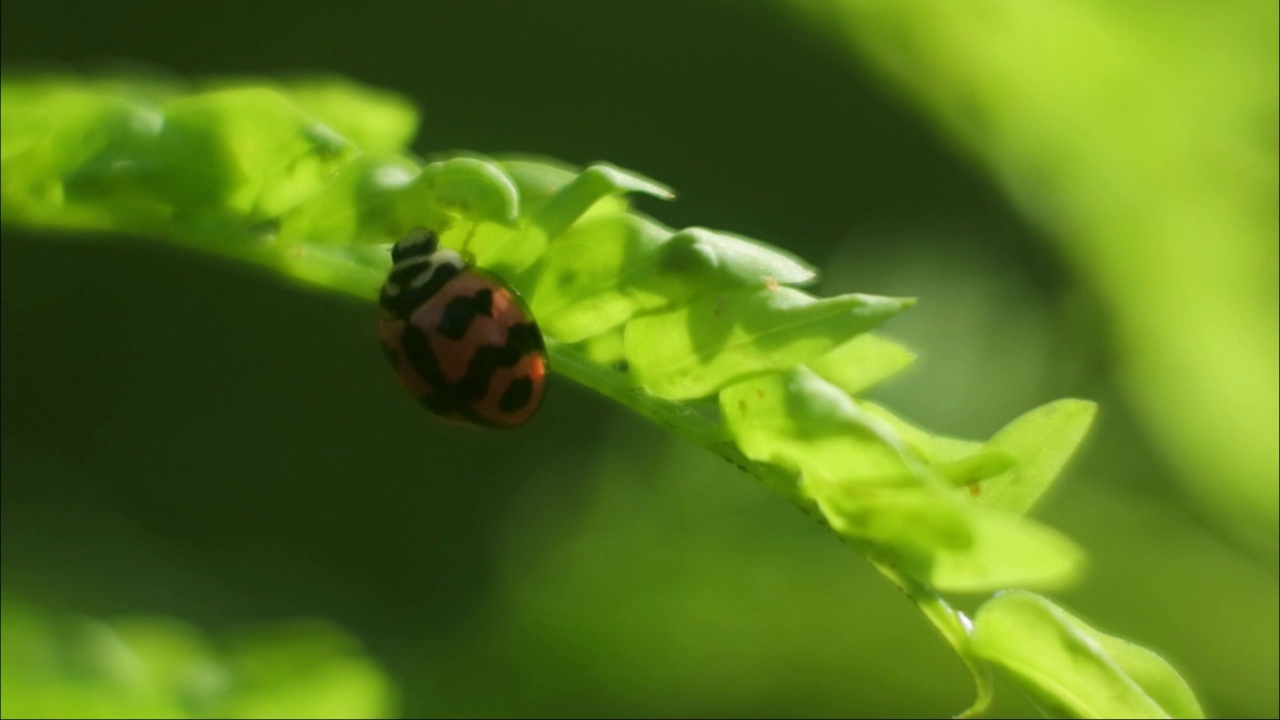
x=975, y=490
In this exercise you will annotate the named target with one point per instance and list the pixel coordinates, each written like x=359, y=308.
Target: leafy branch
x=705, y=332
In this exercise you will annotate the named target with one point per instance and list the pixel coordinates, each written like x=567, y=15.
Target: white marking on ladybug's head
x=406, y=264
x=437, y=260
x=419, y=242
x=391, y=288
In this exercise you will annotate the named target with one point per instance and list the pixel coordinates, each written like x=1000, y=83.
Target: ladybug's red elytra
x=459, y=337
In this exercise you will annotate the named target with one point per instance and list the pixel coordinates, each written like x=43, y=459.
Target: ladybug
x=459, y=337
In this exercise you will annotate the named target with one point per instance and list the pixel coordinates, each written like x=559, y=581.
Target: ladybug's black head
x=420, y=242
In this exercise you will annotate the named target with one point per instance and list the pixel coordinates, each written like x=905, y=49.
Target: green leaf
x=469, y=188
x=249, y=151
x=49, y=136
x=591, y=278
x=1042, y=440
x=695, y=350
x=969, y=471
x=1007, y=551
x=798, y=421
x=699, y=260
x=1020, y=462
x=605, y=269
x=869, y=487
x=560, y=210
x=947, y=544
x=933, y=449
x=375, y=120
x=862, y=362
x=361, y=206
x=1072, y=668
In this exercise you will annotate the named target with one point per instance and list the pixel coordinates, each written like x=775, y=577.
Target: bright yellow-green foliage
x=60, y=665
x=1142, y=135
x=703, y=331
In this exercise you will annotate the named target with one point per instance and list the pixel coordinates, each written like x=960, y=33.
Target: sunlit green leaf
x=1042, y=441
x=798, y=421
x=862, y=362
x=361, y=206
x=700, y=260
x=377, y=121
x=605, y=269
x=939, y=540
x=932, y=448
x=591, y=277
x=1012, y=470
x=250, y=151
x=1074, y=669
x=869, y=487
x=561, y=209
x=693, y=351
x=473, y=189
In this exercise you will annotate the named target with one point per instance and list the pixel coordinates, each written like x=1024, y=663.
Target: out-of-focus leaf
x=1143, y=136
x=1041, y=441
x=1073, y=669
x=60, y=665
x=304, y=670
x=375, y=120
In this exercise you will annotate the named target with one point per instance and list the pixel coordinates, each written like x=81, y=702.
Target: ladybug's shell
x=470, y=352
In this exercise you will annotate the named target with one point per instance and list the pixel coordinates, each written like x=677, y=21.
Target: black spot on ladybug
x=458, y=314
x=414, y=296
x=521, y=339
x=517, y=395
x=525, y=337
x=417, y=350
x=447, y=400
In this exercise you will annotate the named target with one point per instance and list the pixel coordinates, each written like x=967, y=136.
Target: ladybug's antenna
x=466, y=242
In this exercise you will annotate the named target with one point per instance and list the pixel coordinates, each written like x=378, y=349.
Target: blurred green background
x=189, y=441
